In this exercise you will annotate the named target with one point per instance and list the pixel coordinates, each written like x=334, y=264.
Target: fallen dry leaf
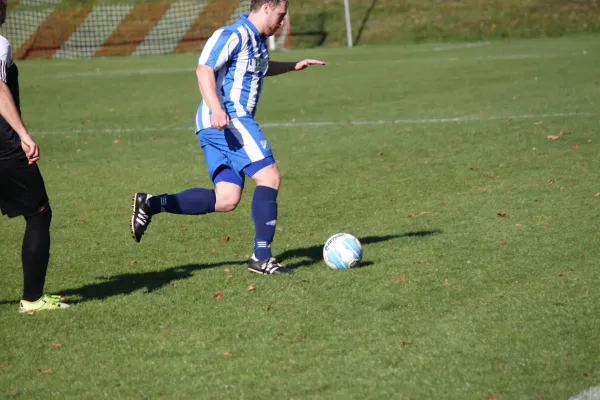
x=184, y=228
x=443, y=204
x=402, y=279
x=31, y=313
x=574, y=147
x=268, y=308
x=552, y=137
x=132, y=262
x=500, y=241
x=404, y=344
x=251, y=287
x=229, y=276
x=1, y=366
x=228, y=270
x=44, y=370
x=597, y=194
x=116, y=141
x=550, y=181
x=589, y=140
x=492, y=176
x=152, y=137
x=228, y=354
x=225, y=239
x=501, y=214
x=566, y=132
x=213, y=250
x=56, y=345
x=474, y=169
x=218, y=296
x=586, y=374
x=421, y=213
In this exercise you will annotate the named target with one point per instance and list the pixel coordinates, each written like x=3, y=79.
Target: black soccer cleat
x=141, y=217
x=269, y=266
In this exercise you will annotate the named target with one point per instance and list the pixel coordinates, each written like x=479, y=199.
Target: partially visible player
x=22, y=190
x=230, y=75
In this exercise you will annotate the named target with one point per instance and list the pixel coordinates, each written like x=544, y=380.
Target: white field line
x=447, y=47
x=100, y=73
x=592, y=393
x=104, y=73
x=294, y=124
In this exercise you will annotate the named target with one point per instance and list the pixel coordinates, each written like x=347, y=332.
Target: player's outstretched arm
x=9, y=111
x=278, y=68
x=208, y=89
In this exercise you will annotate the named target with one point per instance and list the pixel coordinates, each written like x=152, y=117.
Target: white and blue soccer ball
x=342, y=251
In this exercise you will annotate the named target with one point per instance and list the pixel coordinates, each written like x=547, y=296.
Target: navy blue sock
x=264, y=214
x=194, y=201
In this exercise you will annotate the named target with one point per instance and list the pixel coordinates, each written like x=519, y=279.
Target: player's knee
x=227, y=202
x=42, y=218
x=269, y=177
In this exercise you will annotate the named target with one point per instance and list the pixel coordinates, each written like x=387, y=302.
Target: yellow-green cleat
x=46, y=302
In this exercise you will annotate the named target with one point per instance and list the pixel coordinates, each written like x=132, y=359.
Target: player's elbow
x=203, y=70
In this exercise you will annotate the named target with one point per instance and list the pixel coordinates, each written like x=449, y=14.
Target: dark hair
x=255, y=5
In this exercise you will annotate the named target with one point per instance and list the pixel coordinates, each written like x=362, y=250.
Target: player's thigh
x=22, y=188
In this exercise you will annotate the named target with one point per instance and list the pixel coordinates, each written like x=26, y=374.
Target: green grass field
x=480, y=234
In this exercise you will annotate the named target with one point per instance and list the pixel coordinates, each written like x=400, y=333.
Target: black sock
x=35, y=254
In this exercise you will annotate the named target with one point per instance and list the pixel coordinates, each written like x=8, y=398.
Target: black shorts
x=22, y=189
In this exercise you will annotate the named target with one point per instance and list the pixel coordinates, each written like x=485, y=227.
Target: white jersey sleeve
x=5, y=57
x=220, y=48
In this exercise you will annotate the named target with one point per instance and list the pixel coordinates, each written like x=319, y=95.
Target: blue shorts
x=241, y=147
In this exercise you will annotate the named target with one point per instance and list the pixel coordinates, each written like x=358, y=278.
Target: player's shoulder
x=5, y=49
x=4, y=43
x=233, y=31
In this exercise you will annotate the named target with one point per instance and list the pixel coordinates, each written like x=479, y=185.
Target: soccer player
x=22, y=190
x=230, y=74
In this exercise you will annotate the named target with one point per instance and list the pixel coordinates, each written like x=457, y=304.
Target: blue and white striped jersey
x=240, y=58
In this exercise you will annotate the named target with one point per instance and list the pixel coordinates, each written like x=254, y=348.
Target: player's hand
x=306, y=63
x=220, y=119
x=31, y=149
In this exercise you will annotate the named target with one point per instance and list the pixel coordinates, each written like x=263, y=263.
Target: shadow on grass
x=151, y=281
